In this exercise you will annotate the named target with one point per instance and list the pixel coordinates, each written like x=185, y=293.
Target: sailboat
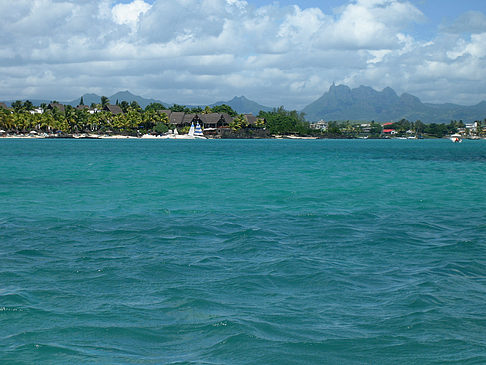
x=191, y=130
x=198, y=132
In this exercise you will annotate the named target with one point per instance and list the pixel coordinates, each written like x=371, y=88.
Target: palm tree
x=104, y=101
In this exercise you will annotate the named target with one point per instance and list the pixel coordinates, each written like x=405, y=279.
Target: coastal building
x=472, y=127
x=250, y=119
x=320, y=125
x=214, y=120
x=113, y=109
x=166, y=112
x=188, y=119
x=389, y=132
x=87, y=108
x=177, y=119
x=56, y=106
x=36, y=111
x=365, y=128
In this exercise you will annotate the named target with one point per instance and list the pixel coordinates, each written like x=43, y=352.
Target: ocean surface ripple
x=242, y=252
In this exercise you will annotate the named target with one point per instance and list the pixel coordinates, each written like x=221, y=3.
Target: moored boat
x=456, y=138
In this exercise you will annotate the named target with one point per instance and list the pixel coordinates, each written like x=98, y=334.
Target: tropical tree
x=135, y=106
x=239, y=122
x=154, y=107
x=124, y=105
x=281, y=121
x=197, y=110
x=17, y=106
x=28, y=105
x=224, y=109
x=419, y=127
x=179, y=108
x=104, y=101
x=207, y=110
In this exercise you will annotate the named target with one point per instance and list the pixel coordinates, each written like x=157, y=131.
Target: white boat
x=198, y=132
x=456, y=138
x=191, y=130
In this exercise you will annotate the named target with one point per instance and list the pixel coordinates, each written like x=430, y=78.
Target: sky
x=285, y=52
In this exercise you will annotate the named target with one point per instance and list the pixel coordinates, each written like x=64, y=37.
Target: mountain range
x=339, y=103
x=240, y=104
x=366, y=104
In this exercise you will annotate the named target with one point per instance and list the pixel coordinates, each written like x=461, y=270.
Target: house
x=389, y=131
x=320, y=125
x=87, y=108
x=188, y=119
x=166, y=112
x=113, y=109
x=228, y=119
x=177, y=118
x=57, y=106
x=211, y=120
x=36, y=111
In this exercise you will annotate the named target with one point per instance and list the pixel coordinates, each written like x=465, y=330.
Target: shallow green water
x=235, y=252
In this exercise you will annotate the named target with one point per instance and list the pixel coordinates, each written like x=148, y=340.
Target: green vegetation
x=402, y=128
x=281, y=121
x=64, y=120
x=133, y=122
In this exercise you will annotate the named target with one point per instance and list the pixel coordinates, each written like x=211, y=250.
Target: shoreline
x=182, y=137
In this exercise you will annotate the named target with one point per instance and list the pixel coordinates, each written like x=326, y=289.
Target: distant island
x=130, y=120
x=339, y=103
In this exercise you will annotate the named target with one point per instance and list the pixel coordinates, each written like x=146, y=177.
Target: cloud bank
x=201, y=51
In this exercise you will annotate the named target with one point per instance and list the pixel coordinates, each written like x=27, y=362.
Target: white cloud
x=129, y=14
x=200, y=51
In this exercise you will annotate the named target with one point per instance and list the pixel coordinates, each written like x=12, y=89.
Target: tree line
x=135, y=120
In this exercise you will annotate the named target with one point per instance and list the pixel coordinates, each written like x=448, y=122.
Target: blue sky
x=277, y=53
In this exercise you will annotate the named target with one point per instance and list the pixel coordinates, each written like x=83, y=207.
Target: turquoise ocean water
x=242, y=252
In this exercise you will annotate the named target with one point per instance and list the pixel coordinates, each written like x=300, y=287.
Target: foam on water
x=257, y=251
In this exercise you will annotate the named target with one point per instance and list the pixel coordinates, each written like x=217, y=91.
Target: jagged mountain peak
x=365, y=103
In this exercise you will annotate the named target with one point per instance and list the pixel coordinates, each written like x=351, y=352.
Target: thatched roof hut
x=57, y=106
x=167, y=112
x=211, y=120
x=250, y=118
x=113, y=109
x=177, y=118
x=189, y=118
x=227, y=118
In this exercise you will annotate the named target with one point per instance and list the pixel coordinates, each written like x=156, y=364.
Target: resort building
x=113, y=109
x=320, y=125
x=57, y=106
x=211, y=120
x=389, y=132
x=36, y=111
